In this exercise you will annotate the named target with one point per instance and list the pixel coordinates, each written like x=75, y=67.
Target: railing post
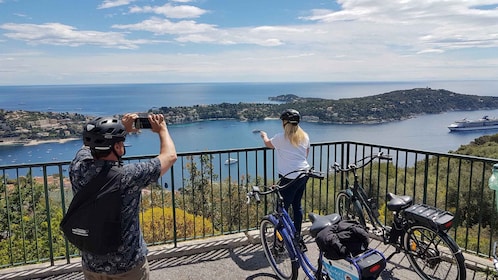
x=426, y=178
x=63, y=206
x=173, y=205
x=265, y=176
x=49, y=220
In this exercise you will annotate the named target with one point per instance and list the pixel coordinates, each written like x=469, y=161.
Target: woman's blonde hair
x=294, y=133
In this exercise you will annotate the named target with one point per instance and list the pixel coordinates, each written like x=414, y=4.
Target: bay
x=427, y=132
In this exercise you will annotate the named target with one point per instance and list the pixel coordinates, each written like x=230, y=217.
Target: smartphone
x=142, y=121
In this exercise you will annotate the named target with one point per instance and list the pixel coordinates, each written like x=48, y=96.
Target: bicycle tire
x=433, y=254
x=348, y=208
x=279, y=258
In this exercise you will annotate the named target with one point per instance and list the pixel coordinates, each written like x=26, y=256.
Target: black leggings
x=292, y=195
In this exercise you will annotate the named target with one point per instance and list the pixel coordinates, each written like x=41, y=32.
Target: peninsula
x=387, y=107
x=23, y=127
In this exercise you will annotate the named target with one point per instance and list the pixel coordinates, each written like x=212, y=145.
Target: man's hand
x=157, y=122
x=128, y=120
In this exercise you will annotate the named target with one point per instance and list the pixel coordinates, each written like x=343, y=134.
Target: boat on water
x=480, y=124
x=231, y=161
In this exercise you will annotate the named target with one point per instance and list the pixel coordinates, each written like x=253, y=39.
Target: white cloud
x=114, y=3
x=160, y=26
x=171, y=11
x=436, y=25
x=64, y=35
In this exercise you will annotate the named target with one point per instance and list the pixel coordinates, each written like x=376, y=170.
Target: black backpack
x=93, y=220
x=346, y=238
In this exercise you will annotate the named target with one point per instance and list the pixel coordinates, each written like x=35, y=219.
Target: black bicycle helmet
x=101, y=133
x=291, y=115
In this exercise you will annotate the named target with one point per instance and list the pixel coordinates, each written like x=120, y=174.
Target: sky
x=188, y=41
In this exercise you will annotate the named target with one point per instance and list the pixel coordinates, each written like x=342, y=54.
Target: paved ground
x=231, y=257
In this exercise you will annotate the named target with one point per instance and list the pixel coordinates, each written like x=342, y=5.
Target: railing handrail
x=235, y=150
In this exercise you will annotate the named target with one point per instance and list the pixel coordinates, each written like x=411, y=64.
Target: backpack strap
x=93, y=187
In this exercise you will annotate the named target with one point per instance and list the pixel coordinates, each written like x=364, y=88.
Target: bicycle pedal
x=377, y=232
x=280, y=249
x=302, y=246
x=279, y=246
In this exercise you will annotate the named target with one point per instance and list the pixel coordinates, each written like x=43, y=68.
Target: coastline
x=36, y=142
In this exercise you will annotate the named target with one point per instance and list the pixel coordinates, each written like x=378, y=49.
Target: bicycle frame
x=285, y=226
x=361, y=201
x=287, y=230
x=359, y=195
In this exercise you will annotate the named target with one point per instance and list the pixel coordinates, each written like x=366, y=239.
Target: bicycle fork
x=279, y=238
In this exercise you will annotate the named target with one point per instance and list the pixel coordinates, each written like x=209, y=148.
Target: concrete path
x=236, y=256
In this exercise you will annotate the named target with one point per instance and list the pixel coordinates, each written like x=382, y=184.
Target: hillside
x=391, y=106
x=485, y=146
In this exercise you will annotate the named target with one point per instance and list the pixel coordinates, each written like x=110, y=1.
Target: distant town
x=24, y=127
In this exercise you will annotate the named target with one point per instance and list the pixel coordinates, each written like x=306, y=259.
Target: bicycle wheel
x=349, y=209
x=276, y=251
x=432, y=254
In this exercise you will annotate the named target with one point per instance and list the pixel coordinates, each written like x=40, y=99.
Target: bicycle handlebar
x=353, y=166
x=256, y=191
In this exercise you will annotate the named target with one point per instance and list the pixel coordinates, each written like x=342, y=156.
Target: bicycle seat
x=319, y=222
x=398, y=202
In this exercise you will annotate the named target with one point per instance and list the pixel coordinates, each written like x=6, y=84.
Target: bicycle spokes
x=433, y=255
x=426, y=247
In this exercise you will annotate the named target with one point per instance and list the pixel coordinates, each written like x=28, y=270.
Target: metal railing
x=204, y=195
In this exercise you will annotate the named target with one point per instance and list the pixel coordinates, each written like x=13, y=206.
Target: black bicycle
x=418, y=230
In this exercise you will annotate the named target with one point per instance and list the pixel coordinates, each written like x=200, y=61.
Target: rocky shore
x=34, y=142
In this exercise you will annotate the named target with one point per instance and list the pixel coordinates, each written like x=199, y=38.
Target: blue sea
x=427, y=132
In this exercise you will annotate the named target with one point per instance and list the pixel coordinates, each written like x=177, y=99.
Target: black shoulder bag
x=93, y=220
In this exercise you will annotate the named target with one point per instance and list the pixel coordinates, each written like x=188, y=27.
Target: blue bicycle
x=285, y=253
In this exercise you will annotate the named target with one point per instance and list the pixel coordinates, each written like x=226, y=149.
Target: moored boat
x=480, y=124
x=231, y=161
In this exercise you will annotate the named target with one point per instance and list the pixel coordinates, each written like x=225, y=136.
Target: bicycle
x=418, y=230
x=285, y=253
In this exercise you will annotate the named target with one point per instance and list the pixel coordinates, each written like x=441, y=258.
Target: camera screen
x=142, y=122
